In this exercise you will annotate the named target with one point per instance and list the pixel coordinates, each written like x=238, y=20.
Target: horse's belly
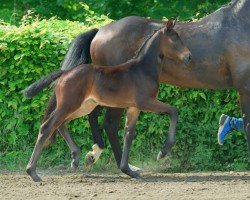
x=86, y=107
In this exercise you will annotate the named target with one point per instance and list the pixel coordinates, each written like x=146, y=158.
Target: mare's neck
x=206, y=41
x=241, y=8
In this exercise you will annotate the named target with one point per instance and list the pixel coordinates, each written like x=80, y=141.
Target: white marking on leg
x=95, y=154
x=97, y=151
x=134, y=168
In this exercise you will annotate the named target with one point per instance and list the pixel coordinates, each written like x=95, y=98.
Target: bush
x=27, y=53
x=36, y=48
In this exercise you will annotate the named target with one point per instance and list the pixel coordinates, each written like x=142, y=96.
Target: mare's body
x=219, y=43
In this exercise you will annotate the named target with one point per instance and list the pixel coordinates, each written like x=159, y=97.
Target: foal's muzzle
x=187, y=58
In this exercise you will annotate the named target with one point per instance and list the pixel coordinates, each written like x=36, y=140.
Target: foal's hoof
x=36, y=179
x=33, y=175
x=89, y=158
x=75, y=155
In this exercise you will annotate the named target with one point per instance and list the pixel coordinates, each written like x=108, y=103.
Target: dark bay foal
x=132, y=85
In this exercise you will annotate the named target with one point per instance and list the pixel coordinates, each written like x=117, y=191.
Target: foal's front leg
x=157, y=106
x=129, y=133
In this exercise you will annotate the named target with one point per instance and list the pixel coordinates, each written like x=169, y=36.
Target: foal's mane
x=138, y=51
x=122, y=66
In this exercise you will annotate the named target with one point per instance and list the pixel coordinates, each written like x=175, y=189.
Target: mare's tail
x=79, y=50
x=78, y=53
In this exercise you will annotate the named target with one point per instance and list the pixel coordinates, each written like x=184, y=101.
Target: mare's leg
x=111, y=126
x=46, y=129
x=245, y=107
x=93, y=156
x=75, y=150
x=159, y=107
x=129, y=133
x=96, y=132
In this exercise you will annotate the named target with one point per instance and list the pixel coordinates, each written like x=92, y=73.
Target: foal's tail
x=78, y=53
x=44, y=82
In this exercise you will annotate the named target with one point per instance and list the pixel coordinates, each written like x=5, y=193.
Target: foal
x=132, y=85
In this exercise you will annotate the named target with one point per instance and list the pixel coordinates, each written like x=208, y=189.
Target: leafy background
x=33, y=43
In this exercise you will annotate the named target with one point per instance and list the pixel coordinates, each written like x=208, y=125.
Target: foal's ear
x=170, y=24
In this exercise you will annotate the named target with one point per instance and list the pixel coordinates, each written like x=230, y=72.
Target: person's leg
x=226, y=124
x=237, y=123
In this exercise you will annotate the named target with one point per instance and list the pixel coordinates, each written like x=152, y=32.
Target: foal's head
x=172, y=46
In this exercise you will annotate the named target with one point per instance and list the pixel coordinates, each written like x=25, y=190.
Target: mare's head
x=172, y=46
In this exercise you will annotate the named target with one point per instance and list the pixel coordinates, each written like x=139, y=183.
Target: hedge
x=34, y=49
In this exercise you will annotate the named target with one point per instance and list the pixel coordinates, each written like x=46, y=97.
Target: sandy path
x=70, y=185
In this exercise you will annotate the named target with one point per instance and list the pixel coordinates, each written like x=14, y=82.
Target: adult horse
x=219, y=44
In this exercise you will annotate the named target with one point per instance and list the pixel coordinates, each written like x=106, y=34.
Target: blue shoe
x=224, y=129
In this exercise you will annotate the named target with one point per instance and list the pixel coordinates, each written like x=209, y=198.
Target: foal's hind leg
x=160, y=107
x=75, y=150
x=129, y=133
x=47, y=128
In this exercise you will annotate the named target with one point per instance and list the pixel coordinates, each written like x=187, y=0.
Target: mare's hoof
x=160, y=155
x=134, y=168
x=89, y=158
x=74, y=164
x=93, y=156
x=132, y=174
x=136, y=176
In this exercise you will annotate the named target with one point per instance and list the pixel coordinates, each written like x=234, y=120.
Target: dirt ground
x=82, y=185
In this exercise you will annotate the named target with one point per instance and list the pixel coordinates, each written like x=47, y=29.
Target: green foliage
x=38, y=46
x=12, y=11
x=26, y=54
x=184, y=9
x=196, y=145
